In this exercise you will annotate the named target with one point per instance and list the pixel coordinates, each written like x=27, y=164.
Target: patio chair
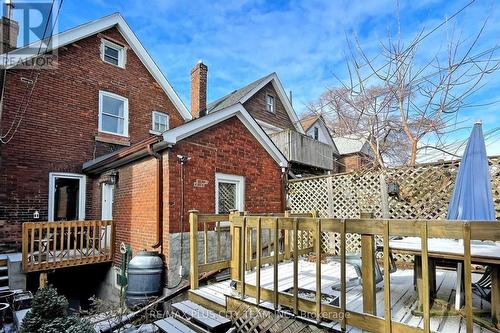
x=482, y=287
x=354, y=259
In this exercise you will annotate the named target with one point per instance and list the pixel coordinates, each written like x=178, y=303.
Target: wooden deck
x=403, y=295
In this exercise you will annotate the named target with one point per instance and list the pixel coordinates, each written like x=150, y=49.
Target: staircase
x=4, y=274
x=189, y=317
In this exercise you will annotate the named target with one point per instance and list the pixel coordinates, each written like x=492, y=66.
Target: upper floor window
x=113, y=113
x=270, y=103
x=113, y=53
x=316, y=133
x=160, y=122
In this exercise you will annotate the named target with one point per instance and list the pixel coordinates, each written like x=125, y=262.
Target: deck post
x=193, y=248
x=495, y=293
x=286, y=241
x=368, y=270
x=236, y=244
x=42, y=280
x=468, y=278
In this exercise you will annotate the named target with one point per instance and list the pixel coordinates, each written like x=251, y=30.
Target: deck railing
x=51, y=245
x=292, y=227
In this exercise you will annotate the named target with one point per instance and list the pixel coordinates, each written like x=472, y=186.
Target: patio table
x=487, y=253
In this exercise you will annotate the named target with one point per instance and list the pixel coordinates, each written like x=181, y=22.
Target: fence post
x=314, y=214
x=25, y=246
x=236, y=244
x=368, y=270
x=286, y=240
x=193, y=248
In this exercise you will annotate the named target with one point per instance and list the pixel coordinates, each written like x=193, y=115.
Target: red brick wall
x=58, y=128
x=352, y=162
x=226, y=148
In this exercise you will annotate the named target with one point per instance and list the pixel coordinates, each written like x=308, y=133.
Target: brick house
x=267, y=102
x=355, y=153
x=118, y=143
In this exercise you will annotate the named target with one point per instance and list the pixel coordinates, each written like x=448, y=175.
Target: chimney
x=10, y=30
x=199, y=75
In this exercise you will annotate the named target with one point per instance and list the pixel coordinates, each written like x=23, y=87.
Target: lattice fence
x=425, y=192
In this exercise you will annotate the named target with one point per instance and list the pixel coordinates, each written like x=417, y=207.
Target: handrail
x=51, y=245
x=242, y=225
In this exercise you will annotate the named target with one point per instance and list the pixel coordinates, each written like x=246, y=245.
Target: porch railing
x=52, y=245
x=292, y=227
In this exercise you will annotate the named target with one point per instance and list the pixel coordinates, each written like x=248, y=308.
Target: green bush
x=49, y=314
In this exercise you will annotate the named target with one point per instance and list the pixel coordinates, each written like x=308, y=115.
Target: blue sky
x=303, y=41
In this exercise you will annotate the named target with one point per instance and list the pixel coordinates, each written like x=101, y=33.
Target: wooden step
x=4, y=288
x=202, y=317
x=4, y=269
x=172, y=325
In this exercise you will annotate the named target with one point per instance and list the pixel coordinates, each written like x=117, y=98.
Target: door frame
x=110, y=187
x=81, y=192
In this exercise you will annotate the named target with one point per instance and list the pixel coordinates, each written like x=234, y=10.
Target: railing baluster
x=317, y=245
x=286, y=240
x=342, y=274
x=218, y=240
x=296, y=266
x=68, y=241
x=387, y=281
x=205, y=240
x=82, y=235
x=259, y=253
x=276, y=262
x=25, y=250
x=467, y=278
x=60, y=256
x=40, y=243
x=242, y=257
x=425, y=278
x=193, y=248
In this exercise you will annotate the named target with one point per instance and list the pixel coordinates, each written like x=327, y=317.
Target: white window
x=229, y=193
x=113, y=53
x=66, y=196
x=113, y=113
x=270, y=103
x=160, y=122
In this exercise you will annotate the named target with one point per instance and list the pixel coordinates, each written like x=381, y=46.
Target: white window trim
x=121, y=52
x=153, y=131
x=240, y=189
x=81, y=192
x=125, y=112
x=272, y=105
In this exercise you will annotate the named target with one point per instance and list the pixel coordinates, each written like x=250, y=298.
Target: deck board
x=403, y=295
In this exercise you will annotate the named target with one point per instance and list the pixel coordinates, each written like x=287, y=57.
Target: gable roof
x=91, y=28
x=176, y=134
x=350, y=144
x=243, y=94
x=308, y=121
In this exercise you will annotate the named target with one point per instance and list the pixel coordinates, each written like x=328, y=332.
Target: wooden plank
x=205, y=242
x=387, y=281
x=495, y=296
x=343, y=293
x=258, y=263
x=286, y=241
x=193, y=248
x=467, y=277
x=218, y=240
x=318, y=269
x=171, y=325
x=214, y=266
x=425, y=280
x=242, y=256
x=211, y=218
x=276, y=262
x=295, y=266
x=25, y=253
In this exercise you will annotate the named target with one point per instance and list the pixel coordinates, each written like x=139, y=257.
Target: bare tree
x=400, y=99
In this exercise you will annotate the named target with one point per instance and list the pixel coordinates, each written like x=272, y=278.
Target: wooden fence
x=425, y=191
x=52, y=245
x=368, y=228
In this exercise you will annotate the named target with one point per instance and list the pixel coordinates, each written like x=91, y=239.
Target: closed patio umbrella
x=472, y=197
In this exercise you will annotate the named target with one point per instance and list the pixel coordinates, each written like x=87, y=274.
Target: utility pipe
x=159, y=196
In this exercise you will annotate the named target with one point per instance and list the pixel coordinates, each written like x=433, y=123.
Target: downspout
x=159, y=197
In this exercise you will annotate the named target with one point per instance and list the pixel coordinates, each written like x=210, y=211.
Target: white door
x=107, y=209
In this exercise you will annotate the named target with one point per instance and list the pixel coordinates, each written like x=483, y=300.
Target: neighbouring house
x=105, y=137
x=355, y=153
x=267, y=102
x=315, y=127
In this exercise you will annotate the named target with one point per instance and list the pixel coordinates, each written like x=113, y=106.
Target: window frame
x=121, y=52
x=316, y=133
x=272, y=104
x=81, y=192
x=103, y=93
x=239, y=181
x=153, y=114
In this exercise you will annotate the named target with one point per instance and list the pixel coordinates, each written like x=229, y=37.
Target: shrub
x=49, y=314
